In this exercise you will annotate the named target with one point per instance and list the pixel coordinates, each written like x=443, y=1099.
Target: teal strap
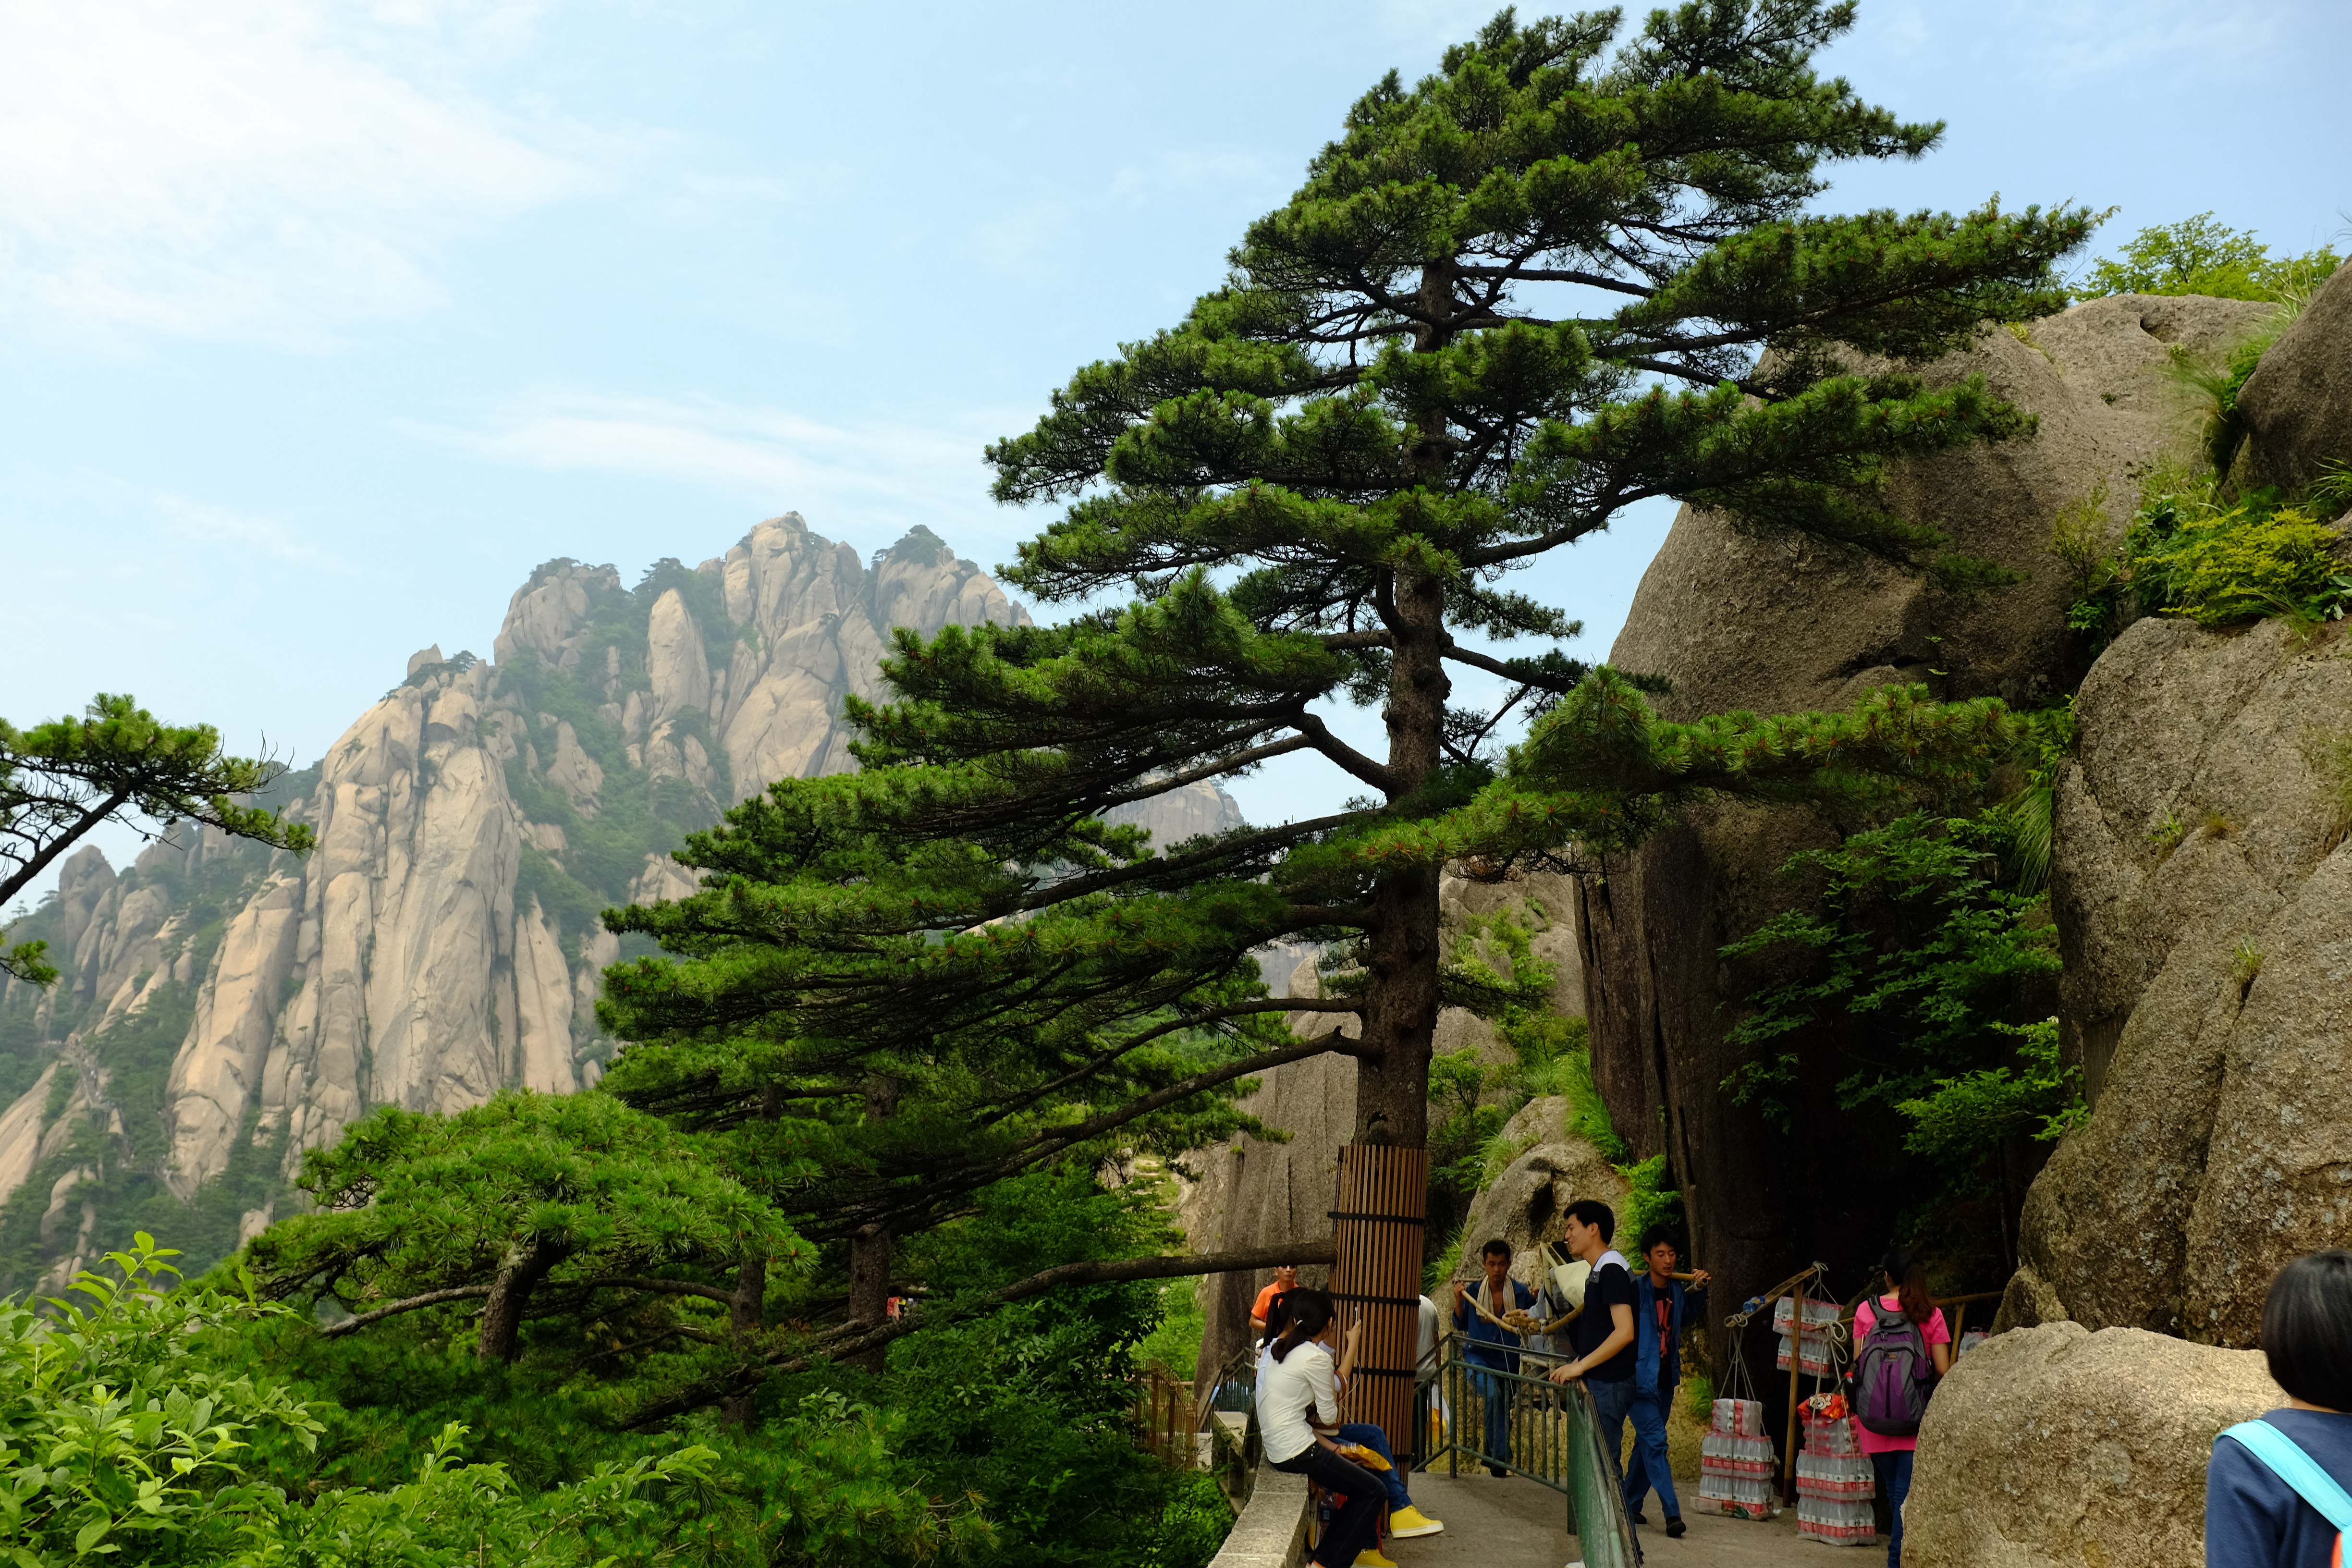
x=2298, y=1469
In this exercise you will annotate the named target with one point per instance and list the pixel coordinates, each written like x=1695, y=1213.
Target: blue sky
x=325, y=324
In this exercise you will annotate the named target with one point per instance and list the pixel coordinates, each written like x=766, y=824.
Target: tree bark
x=1377, y=1266
x=500, y=1326
x=870, y=1245
x=747, y=1310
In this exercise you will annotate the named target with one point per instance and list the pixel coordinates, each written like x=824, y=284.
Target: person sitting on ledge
x=1298, y=1410
x=1405, y=1521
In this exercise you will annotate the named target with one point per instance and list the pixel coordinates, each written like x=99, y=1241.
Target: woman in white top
x=1295, y=1396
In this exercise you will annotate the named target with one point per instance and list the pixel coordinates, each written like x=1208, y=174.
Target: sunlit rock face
x=1735, y=619
x=224, y=1008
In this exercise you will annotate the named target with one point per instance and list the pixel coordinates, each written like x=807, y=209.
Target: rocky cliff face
x=1736, y=621
x=2204, y=893
x=225, y=1008
x=2202, y=887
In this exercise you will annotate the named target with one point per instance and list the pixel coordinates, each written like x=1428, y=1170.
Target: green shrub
x=1965, y=1117
x=153, y=1423
x=2218, y=567
x=2189, y=551
x=2199, y=255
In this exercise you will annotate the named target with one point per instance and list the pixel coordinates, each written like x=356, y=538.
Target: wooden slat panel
x=1377, y=1229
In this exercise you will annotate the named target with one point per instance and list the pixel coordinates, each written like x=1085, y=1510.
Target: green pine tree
x=1547, y=282
x=116, y=763
x=526, y=1196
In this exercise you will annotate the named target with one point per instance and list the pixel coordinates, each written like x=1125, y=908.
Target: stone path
x=1515, y=1523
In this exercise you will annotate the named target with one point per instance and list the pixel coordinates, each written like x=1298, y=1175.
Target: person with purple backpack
x=1901, y=1346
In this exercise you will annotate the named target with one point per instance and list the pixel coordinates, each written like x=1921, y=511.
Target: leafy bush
x=2189, y=551
x=149, y=1425
x=116, y=1437
x=1914, y=933
x=2221, y=566
x=1964, y=1116
x=2199, y=255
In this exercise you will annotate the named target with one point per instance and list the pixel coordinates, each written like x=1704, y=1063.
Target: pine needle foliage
x=118, y=763
x=1574, y=268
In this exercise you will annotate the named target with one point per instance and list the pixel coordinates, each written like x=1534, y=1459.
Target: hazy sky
x=325, y=324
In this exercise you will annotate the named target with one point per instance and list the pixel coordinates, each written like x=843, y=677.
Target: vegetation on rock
x=2200, y=256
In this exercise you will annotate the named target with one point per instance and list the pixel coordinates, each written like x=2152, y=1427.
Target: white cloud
x=861, y=480
x=205, y=524
x=1026, y=239
x=255, y=169
x=2073, y=39
x=1186, y=172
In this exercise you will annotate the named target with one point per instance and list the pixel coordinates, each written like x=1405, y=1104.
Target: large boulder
x=2059, y=1447
x=2203, y=894
x=2297, y=405
x=1525, y=1204
x=1734, y=620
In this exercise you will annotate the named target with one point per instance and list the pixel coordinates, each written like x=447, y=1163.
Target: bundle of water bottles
x=1821, y=1317
x=1737, y=1462
x=1834, y=1481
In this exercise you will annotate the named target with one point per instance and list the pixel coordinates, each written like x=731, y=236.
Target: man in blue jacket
x=1492, y=1346
x=1661, y=1304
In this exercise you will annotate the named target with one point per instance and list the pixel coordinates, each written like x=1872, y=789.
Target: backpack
x=2285, y=1459
x=1893, y=1376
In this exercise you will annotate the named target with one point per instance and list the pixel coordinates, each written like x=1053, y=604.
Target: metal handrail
x=1551, y=1432
x=1234, y=1392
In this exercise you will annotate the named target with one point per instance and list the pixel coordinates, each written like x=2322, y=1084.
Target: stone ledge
x=1272, y=1530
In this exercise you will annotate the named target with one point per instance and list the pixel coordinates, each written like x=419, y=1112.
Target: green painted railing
x=1551, y=1435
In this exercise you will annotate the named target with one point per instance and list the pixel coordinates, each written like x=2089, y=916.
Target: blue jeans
x=1649, y=1466
x=1372, y=1438
x=1495, y=1394
x=1613, y=1402
x=1894, y=1472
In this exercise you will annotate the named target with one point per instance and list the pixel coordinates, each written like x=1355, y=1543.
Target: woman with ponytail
x=1295, y=1396
x=1893, y=1379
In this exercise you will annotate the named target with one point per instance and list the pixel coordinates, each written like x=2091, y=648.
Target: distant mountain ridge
x=224, y=1007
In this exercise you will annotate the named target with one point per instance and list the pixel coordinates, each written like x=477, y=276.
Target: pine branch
x=414, y=1303
x=840, y=1344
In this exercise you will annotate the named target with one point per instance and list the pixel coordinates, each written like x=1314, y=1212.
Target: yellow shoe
x=1407, y=1522
x=1369, y=1557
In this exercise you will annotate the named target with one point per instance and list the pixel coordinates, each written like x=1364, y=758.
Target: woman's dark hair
x=2307, y=1330
x=1909, y=1277
x=1311, y=1314
x=1277, y=1314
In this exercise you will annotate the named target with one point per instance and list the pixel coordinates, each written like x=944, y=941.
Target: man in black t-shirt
x=1602, y=1334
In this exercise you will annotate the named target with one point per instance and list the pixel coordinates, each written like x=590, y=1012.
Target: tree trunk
x=747, y=1313
x=871, y=1246
x=1382, y=1216
x=495, y=1336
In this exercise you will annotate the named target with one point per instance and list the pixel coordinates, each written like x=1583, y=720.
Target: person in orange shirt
x=1285, y=1281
